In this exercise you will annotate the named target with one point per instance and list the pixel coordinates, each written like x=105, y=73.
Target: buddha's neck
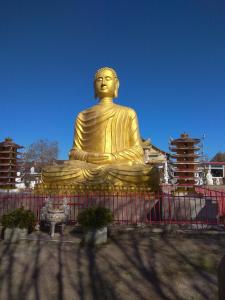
x=106, y=100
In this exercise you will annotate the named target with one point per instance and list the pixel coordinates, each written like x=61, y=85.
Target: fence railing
x=219, y=196
x=203, y=207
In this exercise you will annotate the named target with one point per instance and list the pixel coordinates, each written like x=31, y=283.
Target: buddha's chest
x=107, y=136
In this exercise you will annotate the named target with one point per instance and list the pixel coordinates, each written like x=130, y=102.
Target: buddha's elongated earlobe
x=96, y=96
x=116, y=89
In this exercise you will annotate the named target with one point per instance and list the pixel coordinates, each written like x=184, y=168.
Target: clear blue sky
x=169, y=56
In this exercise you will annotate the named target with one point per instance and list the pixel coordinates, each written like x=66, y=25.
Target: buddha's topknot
x=106, y=68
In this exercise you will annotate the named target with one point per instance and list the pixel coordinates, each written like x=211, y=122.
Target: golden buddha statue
x=107, y=147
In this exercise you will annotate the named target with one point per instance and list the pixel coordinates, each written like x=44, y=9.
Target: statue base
x=66, y=189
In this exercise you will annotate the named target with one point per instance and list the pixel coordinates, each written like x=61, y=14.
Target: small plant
x=20, y=218
x=95, y=218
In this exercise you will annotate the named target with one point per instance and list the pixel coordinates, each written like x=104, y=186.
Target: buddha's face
x=106, y=85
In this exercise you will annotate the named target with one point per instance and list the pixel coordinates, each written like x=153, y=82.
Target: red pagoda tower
x=185, y=161
x=10, y=163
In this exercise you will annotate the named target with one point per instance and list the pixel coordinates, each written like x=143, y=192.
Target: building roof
x=8, y=142
x=214, y=162
x=184, y=138
x=147, y=144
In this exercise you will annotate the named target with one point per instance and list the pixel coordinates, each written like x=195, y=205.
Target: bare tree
x=42, y=152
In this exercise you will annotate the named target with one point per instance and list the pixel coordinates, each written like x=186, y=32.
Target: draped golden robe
x=103, y=129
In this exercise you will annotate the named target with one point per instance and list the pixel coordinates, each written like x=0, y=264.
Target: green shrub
x=19, y=217
x=95, y=217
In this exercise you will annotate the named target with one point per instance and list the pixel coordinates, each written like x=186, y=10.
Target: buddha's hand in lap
x=106, y=158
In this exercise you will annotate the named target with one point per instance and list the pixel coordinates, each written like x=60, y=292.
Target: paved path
x=133, y=265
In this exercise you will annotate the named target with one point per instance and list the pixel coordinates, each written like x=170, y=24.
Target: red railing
x=166, y=207
x=214, y=194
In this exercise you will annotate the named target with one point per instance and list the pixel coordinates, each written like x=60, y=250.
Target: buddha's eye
x=108, y=78
x=99, y=79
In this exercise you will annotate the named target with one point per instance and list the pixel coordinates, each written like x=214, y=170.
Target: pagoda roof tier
x=181, y=141
x=19, y=160
x=180, y=166
x=8, y=142
x=8, y=151
x=185, y=139
x=8, y=158
x=8, y=171
x=7, y=183
x=185, y=155
x=11, y=161
x=12, y=146
x=187, y=171
x=183, y=184
x=14, y=163
x=9, y=164
x=193, y=167
x=173, y=148
x=9, y=177
x=185, y=177
x=187, y=180
x=184, y=162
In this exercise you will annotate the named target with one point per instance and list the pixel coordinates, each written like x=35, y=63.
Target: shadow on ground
x=134, y=265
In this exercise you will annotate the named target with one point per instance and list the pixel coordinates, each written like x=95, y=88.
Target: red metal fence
x=219, y=196
x=204, y=207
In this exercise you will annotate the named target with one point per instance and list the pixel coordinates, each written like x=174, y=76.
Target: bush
x=95, y=218
x=19, y=218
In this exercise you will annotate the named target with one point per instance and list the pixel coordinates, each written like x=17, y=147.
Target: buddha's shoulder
x=127, y=109
x=87, y=111
x=91, y=111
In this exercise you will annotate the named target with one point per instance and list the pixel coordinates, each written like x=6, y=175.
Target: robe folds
x=103, y=129
x=109, y=129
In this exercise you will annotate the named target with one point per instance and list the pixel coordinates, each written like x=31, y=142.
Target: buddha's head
x=106, y=83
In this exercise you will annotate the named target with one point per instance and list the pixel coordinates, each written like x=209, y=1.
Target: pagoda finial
x=184, y=135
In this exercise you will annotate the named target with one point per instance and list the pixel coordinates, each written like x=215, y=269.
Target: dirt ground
x=134, y=264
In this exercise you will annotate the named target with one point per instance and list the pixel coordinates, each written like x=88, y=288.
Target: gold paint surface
x=107, y=147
